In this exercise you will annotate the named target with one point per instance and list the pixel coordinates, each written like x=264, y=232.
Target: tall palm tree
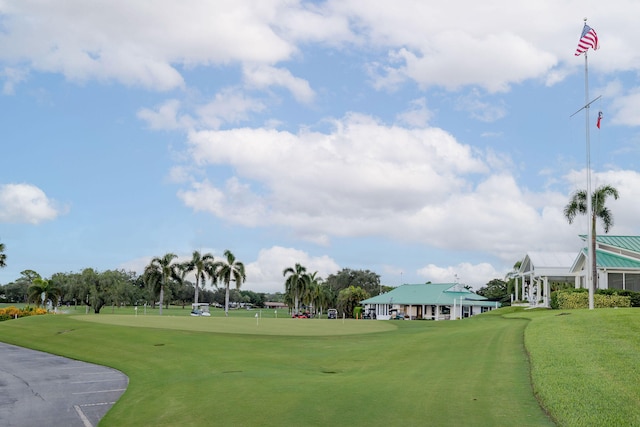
x=578, y=205
x=296, y=284
x=41, y=290
x=227, y=271
x=3, y=256
x=160, y=271
x=202, y=265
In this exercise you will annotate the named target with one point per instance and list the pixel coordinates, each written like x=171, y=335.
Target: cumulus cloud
x=265, y=273
x=141, y=44
x=264, y=76
x=149, y=45
x=25, y=203
x=474, y=275
x=365, y=178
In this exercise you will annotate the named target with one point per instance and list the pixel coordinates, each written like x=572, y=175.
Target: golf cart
x=200, y=309
x=396, y=314
x=332, y=313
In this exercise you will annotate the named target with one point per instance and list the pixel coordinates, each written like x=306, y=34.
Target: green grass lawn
x=188, y=371
x=586, y=365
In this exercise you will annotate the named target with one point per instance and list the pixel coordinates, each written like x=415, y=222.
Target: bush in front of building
x=579, y=298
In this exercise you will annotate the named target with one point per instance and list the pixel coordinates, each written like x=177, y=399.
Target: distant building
x=271, y=304
x=444, y=301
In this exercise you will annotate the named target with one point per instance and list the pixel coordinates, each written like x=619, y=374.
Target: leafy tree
x=227, y=271
x=365, y=279
x=42, y=290
x=496, y=290
x=15, y=291
x=3, y=256
x=350, y=298
x=158, y=273
x=296, y=284
x=254, y=298
x=578, y=205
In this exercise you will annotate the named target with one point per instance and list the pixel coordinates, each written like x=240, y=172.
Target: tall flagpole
x=589, y=39
x=591, y=247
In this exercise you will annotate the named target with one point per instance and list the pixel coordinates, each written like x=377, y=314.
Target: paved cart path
x=40, y=389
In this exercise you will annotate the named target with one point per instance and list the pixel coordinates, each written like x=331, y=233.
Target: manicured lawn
x=471, y=372
x=586, y=365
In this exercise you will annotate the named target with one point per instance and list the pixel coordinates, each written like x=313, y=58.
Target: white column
x=547, y=292
x=516, y=286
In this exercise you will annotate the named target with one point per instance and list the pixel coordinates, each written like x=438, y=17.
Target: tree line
x=164, y=282
x=307, y=292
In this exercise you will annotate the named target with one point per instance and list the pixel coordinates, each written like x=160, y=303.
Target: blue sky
x=425, y=143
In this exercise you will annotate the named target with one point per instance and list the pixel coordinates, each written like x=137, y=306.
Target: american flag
x=589, y=39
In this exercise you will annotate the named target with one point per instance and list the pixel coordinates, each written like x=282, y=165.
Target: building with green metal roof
x=617, y=261
x=441, y=301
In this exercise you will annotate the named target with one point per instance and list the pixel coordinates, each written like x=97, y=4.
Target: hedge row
x=14, y=312
x=579, y=298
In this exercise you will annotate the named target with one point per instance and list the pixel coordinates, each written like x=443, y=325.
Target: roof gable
x=551, y=264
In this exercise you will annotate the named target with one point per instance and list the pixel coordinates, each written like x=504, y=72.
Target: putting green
x=246, y=325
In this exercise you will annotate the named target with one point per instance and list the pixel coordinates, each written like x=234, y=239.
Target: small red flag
x=599, y=118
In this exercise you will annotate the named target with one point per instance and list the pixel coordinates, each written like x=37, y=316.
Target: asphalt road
x=40, y=389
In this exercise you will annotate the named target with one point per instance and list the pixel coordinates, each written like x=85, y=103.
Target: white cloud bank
x=25, y=203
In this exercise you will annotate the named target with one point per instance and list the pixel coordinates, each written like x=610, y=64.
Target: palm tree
x=296, y=284
x=202, y=265
x=3, y=256
x=159, y=271
x=578, y=205
x=41, y=290
x=227, y=271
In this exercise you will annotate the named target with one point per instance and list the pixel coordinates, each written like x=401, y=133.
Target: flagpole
x=588, y=39
x=591, y=247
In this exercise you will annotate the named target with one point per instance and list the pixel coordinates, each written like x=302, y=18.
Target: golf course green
x=248, y=371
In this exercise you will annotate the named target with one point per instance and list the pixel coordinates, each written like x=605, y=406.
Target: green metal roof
x=629, y=243
x=610, y=260
x=429, y=294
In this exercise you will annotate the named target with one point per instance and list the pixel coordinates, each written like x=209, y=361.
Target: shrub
x=14, y=312
x=567, y=300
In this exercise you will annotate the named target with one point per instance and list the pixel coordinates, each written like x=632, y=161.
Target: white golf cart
x=200, y=309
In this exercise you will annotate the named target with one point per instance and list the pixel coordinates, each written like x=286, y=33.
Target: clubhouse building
x=444, y=301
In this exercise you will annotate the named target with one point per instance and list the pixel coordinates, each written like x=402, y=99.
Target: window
x=632, y=282
x=615, y=280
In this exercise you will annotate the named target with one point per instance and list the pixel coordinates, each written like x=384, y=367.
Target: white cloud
x=418, y=115
x=264, y=76
x=229, y=106
x=625, y=109
x=474, y=275
x=368, y=179
x=139, y=43
x=166, y=116
x=265, y=273
x=479, y=109
x=12, y=76
x=25, y=203
x=152, y=44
